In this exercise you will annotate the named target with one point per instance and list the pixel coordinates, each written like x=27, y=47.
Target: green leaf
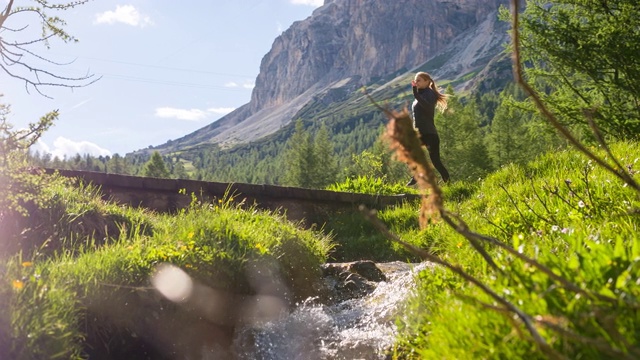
x=574, y=262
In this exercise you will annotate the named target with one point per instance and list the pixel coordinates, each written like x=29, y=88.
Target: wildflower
x=459, y=245
x=581, y=204
x=190, y=235
x=555, y=228
x=27, y=264
x=17, y=284
x=261, y=248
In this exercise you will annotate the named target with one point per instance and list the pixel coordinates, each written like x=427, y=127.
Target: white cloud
x=190, y=114
x=246, y=85
x=63, y=147
x=126, y=14
x=220, y=111
x=181, y=114
x=315, y=3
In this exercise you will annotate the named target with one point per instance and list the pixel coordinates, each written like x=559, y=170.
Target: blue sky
x=168, y=68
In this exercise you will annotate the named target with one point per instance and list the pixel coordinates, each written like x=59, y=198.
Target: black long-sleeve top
x=424, y=109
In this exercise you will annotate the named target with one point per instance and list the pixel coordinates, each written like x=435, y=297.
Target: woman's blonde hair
x=441, y=99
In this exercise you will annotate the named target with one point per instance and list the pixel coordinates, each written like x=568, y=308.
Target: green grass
x=367, y=185
x=80, y=282
x=53, y=303
x=357, y=239
x=566, y=213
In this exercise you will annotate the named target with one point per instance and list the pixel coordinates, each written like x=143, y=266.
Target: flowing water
x=353, y=329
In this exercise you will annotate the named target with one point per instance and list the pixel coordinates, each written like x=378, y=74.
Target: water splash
x=353, y=329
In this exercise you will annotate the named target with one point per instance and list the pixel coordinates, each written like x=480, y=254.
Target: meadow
x=555, y=275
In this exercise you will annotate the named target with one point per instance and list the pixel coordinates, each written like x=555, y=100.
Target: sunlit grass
x=569, y=215
x=561, y=210
x=46, y=299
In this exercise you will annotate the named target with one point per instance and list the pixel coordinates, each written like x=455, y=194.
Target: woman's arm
x=427, y=101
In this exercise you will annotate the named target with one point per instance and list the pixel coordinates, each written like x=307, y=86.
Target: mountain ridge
x=307, y=63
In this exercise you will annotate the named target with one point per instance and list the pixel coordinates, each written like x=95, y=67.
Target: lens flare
x=172, y=282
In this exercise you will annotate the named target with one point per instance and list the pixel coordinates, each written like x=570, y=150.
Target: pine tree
x=507, y=137
x=582, y=57
x=300, y=158
x=462, y=146
x=118, y=165
x=179, y=171
x=156, y=167
x=325, y=168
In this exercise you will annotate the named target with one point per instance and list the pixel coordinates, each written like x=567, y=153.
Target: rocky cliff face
x=361, y=39
x=346, y=43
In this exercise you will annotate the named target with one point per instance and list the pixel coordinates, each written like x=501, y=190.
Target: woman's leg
x=432, y=141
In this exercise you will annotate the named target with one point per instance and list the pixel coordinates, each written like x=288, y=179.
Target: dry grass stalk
x=403, y=138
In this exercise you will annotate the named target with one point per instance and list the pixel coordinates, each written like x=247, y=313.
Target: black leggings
x=432, y=142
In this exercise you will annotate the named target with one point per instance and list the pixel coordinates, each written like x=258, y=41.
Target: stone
x=368, y=270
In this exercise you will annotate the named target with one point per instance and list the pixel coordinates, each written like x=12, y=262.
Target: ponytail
x=441, y=99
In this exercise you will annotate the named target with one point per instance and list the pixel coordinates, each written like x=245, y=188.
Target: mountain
x=347, y=44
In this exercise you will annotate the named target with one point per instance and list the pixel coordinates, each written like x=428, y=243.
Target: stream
x=357, y=328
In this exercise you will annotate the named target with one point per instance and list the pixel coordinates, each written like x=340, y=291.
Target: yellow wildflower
x=17, y=284
x=261, y=248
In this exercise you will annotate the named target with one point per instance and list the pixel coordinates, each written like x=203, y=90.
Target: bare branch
x=5, y=14
x=25, y=61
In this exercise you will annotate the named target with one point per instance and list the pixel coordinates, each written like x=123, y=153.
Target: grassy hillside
x=575, y=297
x=85, y=280
x=70, y=289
